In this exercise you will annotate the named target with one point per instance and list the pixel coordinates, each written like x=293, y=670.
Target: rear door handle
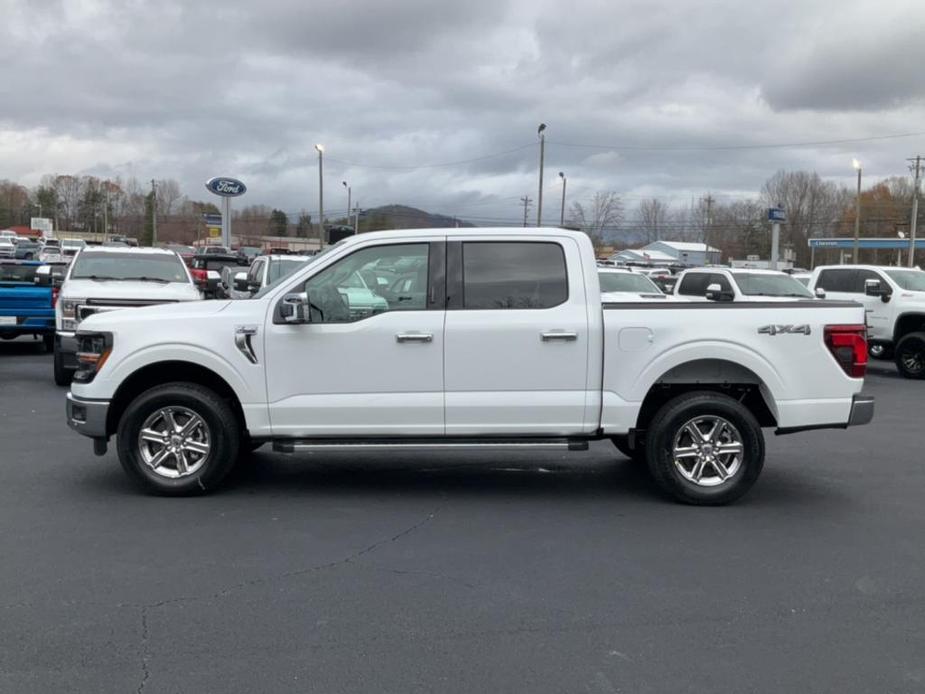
x=414, y=337
x=563, y=335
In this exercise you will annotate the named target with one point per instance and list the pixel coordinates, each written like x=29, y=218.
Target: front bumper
x=87, y=417
x=66, y=345
x=862, y=410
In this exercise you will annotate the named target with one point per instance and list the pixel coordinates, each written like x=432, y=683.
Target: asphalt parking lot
x=434, y=573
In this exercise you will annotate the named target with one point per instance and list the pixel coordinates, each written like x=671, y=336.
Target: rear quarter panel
x=800, y=380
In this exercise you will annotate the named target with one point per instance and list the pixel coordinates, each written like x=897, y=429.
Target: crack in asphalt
x=145, y=607
x=145, y=672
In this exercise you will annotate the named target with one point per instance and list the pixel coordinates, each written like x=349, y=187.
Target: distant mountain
x=404, y=217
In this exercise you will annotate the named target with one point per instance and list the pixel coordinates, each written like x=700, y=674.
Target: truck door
x=516, y=338
x=365, y=365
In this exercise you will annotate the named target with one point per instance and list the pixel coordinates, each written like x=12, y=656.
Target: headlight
x=69, y=317
x=93, y=349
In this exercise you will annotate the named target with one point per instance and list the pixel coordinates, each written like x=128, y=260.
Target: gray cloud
x=188, y=90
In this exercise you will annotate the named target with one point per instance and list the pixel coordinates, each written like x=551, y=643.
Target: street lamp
x=539, y=198
x=320, y=149
x=857, y=212
x=562, y=213
x=348, y=200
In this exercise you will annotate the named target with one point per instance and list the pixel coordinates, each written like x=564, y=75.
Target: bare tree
x=604, y=213
x=813, y=207
x=653, y=219
x=168, y=196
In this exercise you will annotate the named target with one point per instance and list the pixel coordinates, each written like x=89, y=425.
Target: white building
x=671, y=252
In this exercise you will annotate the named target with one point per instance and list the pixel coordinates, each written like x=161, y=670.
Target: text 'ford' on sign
x=226, y=187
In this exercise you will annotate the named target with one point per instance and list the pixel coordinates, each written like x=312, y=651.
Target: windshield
x=129, y=266
x=627, y=282
x=284, y=266
x=910, y=280
x=758, y=284
x=270, y=286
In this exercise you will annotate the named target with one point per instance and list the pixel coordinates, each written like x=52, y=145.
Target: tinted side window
x=339, y=294
x=513, y=275
x=861, y=276
x=694, y=284
x=836, y=280
x=255, y=272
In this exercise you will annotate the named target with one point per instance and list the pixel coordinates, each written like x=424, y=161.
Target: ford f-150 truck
x=509, y=346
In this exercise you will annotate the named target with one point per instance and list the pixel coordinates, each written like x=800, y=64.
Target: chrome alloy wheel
x=174, y=442
x=708, y=450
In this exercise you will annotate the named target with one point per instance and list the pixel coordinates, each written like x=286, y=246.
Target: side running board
x=560, y=444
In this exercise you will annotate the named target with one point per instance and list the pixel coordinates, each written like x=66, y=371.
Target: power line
x=710, y=148
x=413, y=167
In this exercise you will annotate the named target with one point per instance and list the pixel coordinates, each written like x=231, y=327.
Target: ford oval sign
x=226, y=187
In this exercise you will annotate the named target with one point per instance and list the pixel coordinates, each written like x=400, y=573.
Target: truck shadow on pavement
x=21, y=347
x=423, y=475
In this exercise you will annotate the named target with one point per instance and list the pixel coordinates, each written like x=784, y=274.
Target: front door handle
x=414, y=337
x=563, y=335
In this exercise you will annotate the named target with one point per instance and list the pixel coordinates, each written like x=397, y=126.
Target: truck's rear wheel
x=178, y=439
x=705, y=448
x=910, y=355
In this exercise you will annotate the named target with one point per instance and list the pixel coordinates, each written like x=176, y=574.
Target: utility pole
x=320, y=149
x=356, y=218
x=525, y=201
x=857, y=214
x=917, y=171
x=153, y=212
x=348, y=200
x=539, y=198
x=562, y=211
x=708, y=201
x=106, y=213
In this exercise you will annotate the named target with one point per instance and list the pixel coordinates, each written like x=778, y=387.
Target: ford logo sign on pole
x=226, y=188
x=776, y=215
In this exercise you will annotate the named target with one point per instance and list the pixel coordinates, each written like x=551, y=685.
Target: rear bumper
x=861, y=412
x=87, y=417
x=30, y=325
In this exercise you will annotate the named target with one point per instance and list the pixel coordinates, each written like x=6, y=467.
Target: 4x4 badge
x=784, y=330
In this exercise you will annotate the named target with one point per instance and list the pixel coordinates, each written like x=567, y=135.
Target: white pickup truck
x=738, y=284
x=509, y=346
x=894, y=299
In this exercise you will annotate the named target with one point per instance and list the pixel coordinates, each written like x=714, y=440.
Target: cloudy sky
x=436, y=104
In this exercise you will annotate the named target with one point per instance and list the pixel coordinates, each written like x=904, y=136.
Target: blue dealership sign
x=776, y=214
x=226, y=187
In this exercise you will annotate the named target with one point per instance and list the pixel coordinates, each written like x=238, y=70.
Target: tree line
x=814, y=208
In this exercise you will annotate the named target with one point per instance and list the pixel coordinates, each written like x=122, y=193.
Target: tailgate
x=18, y=297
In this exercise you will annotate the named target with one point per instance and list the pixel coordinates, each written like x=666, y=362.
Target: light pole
x=348, y=200
x=320, y=149
x=857, y=213
x=539, y=198
x=562, y=212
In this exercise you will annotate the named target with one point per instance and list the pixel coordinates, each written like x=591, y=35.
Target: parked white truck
x=894, y=300
x=509, y=346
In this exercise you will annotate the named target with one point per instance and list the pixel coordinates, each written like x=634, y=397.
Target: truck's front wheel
x=178, y=439
x=705, y=448
x=910, y=355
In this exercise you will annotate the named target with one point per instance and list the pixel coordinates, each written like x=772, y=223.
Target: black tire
x=63, y=377
x=48, y=341
x=669, y=423
x=221, y=428
x=637, y=454
x=910, y=356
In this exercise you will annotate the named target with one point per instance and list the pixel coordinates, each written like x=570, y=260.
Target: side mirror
x=240, y=282
x=876, y=288
x=716, y=293
x=293, y=309
x=820, y=293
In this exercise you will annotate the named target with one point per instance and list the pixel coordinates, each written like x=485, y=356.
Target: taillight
x=848, y=344
x=54, y=296
x=199, y=276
